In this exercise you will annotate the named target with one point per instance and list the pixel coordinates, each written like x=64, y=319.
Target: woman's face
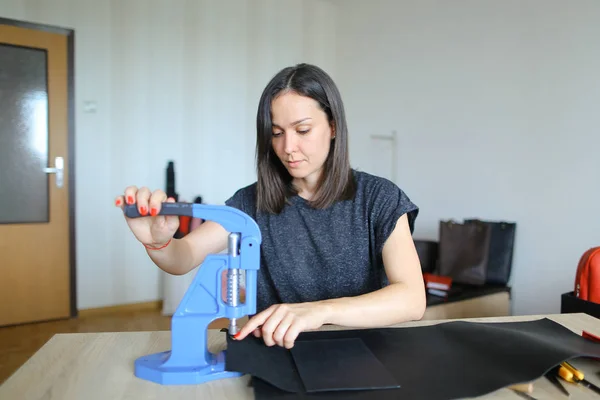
x=301, y=135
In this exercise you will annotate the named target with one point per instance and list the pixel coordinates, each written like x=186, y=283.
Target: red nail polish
x=129, y=200
x=143, y=211
x=118, y=202
x=237, y=335
x=153, y=212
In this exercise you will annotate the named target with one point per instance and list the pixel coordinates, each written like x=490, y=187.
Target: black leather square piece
x=340, y=364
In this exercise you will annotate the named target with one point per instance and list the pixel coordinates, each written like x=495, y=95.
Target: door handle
x=59, y=167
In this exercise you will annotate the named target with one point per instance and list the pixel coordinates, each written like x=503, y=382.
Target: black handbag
x=427, y=250
x=463, y=251
x=500, y=250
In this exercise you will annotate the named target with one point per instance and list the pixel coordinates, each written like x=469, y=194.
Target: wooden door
x=36, y=262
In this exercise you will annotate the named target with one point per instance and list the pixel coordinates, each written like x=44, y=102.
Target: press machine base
x=189, y=361
x=152, y=368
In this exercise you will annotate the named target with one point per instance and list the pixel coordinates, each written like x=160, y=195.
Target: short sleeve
x=243, y=200
x=236, y=200
x=389, y=205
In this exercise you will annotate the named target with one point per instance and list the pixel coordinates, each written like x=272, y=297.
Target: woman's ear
x=332, y=125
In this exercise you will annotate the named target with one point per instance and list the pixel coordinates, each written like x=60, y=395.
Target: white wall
x=495, y=106
x=177, y=81
x=496, y=109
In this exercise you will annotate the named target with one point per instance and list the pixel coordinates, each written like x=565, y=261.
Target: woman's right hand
x=150, y=229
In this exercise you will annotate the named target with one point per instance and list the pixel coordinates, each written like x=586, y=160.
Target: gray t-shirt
x=309, y=254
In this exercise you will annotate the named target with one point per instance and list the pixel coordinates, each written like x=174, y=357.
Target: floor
x=19, y=343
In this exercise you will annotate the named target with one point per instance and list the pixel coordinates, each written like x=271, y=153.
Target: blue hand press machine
x=189, y=361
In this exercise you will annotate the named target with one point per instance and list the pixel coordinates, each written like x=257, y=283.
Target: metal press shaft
x=233, y=280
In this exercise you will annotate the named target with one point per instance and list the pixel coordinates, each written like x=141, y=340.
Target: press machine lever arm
x=231, y=219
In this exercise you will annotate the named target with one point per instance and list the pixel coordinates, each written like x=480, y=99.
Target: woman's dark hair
x=274, y=185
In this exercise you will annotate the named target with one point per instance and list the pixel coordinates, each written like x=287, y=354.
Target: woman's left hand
x=282, y=323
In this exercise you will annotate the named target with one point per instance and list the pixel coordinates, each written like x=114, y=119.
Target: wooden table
x=100, y=366
x=490, y=304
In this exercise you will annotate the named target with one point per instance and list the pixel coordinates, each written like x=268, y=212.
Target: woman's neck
x=307, y=186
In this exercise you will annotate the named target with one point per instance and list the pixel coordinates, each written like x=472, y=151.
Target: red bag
x=587, y=278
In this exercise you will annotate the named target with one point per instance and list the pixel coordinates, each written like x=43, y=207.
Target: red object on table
x=590, y=336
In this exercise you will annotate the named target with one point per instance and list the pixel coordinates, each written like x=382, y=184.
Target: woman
x=337, y=243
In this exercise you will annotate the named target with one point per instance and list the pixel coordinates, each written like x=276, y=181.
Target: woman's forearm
x=183, y=255
x=175, y=258
x=281, y=323
x=393, y=304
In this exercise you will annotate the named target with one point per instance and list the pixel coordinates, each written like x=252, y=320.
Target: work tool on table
x=573, y=375
x=522, y=387
x=552, y=376
x=524, y=394
x=189, y=361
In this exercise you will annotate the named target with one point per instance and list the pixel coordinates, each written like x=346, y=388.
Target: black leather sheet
x=444, y=361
